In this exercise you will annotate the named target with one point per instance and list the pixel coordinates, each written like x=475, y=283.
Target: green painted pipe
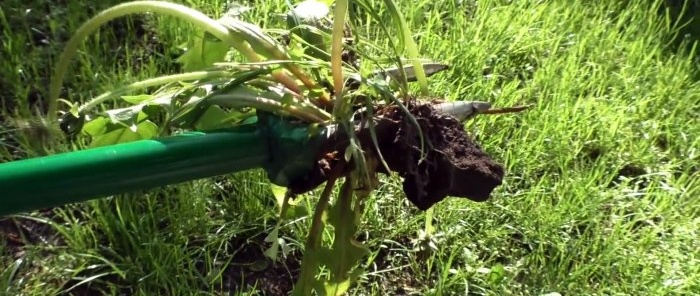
x=82, y=175
x=285, y=150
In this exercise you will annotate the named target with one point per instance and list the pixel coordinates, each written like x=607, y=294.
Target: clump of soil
x=451, y=165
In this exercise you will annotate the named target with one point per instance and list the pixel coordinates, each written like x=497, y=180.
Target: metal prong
x=429, y=68
x=514, y=109
x=463, y=110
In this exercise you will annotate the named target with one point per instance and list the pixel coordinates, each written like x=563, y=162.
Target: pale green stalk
x=199, y=19
x=409, y=44
x=199, y=75
x=309, y=263
x=265, y=44
x=339, y=13
x=305, y=112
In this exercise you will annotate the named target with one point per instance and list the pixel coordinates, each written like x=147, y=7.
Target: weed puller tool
x=285, y=150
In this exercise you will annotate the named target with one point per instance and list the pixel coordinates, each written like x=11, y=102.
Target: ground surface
x=599, y=196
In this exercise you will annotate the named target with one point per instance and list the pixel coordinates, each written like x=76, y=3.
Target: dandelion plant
x=311, y=72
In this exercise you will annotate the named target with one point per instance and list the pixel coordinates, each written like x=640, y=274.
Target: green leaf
x=337, y=289
x=141, y=131
x=346, y=251
x=192, y=111
x=189, y=113
x=296, y=212
x=497, y=274
x=214, y=117
x=97, y=126
x=279, y=192
x=147, y=129
x=104, y=131
x=273, y=250
x=341, y=287
x=202, y=53
x=292, y=209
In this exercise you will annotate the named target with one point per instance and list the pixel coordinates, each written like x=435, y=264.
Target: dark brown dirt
x=453, y=164
x=16, y=233
x=271, y=280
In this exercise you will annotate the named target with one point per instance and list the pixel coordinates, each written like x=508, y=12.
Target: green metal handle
x=82, y=175
x=285, y=150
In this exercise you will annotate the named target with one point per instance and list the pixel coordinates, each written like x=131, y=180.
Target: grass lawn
x=598, y=197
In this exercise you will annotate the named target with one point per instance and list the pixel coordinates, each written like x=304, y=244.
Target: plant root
x=451, y=164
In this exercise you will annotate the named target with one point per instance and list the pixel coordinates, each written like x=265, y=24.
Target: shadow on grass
x=686, y=13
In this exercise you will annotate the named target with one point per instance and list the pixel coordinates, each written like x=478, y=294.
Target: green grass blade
x=409, y=44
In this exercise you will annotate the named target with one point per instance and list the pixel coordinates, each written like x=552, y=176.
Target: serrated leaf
x=272, y=236
x=292, y=210
x=121, y=135
x=345, y=252
x=343, y=255
x=341, y=287
x=273, y=250
x=193, y=110
x=303, y=21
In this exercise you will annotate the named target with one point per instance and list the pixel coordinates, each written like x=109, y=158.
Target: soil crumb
x=451, y=164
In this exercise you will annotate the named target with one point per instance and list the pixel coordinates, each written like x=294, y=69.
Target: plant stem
x=199, y=19
x=149, y=83
x=309, y=113
x=271, y=48
x=339, y=13
x=120, y=10
x=409, y=44
x=429, y=222
x=309, y=263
